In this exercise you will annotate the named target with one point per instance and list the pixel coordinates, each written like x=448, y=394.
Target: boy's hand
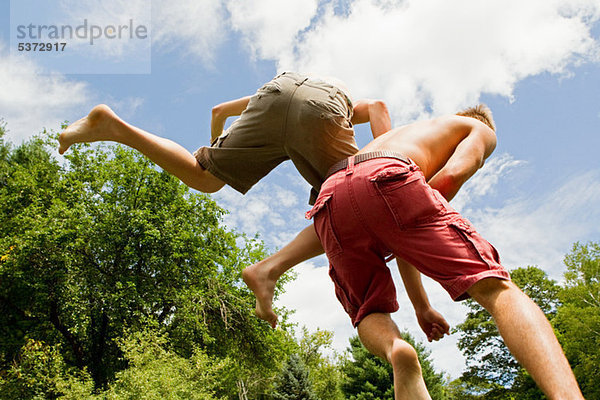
x=433, y=324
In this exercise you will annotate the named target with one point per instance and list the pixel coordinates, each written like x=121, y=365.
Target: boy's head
x=480, y=112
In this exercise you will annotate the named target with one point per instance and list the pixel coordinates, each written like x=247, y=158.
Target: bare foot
x=258, y=280
x=96, y=126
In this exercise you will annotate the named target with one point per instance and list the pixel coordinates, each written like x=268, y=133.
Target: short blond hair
x=480, y=112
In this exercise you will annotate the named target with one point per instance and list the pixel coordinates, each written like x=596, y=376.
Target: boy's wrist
x=422, y=308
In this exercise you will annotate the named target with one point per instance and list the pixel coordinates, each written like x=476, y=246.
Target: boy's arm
x=221, y=112
x=467, y=158
x=375, y=112
x=433, y=323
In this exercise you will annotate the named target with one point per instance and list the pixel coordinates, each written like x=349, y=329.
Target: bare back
x=432, y=143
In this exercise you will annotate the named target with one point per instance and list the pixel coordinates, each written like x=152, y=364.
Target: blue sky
x=537, y=65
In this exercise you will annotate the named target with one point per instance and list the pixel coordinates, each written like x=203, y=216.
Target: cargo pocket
x=410, y=199
x=476, y=244
x=391, y=178
x=324, y=226
x=268, y=88
x=342, y=296
x=332, y=112
x=218, y=142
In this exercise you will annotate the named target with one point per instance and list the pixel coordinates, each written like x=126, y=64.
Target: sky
x=535, y=63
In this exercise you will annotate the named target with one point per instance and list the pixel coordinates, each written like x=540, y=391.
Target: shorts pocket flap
x=462, y=225
x=482, y=248
x=321, y=201
x=390, y=174
x=328, y=109
x=218, y=142
x=270, y=87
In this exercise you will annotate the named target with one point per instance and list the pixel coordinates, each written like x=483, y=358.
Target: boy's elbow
x=217, y=110
x=458, y=177
x=454, y=181
x=378, y=105
x=449, y=183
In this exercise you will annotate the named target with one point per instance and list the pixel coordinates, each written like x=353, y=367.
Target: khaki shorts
x=293, y=117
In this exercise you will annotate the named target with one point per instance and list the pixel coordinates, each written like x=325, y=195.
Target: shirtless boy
x=378, y=202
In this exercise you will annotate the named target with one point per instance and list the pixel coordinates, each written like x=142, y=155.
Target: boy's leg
x=103, y=124
x=380, y=335
x=529, y=336
x=262, y=276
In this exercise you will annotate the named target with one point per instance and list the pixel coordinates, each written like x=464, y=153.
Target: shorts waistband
x=301, y=79
x=357, y=159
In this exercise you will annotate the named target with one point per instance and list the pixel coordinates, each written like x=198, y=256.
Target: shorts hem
x=458, y=292
x=388, y=307
x=206, y=163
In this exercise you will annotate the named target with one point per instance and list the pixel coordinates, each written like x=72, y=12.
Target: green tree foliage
x=467, y=390
x=367, y=377
x=491, y=369
x=324, y=374
x=153, y=373
x=105, y=244
x=40, y=372
x=158, y=374
x=578, y=319
x=294, y=383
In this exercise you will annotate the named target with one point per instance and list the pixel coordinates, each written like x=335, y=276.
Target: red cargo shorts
x=383, y=206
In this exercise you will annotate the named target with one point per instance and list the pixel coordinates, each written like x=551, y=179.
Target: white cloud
x=270, y=27
x=31, y=101
x=197, y=28
x=439, y=55
x=532, y=230
x=127, y=107
x=485, y=180
x=540, y=230
x=276, y=213
x=285, y=197
x=312, y=296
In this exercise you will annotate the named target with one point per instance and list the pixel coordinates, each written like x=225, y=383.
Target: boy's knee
x=205, y=182
x=488, y=290
x=488, y=286
x=404, y=357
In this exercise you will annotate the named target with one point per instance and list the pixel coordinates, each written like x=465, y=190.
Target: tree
x=491, y=369
x=41, y=373
x=578, y=318
x=325, y=374
x=369, y=377
x=157, y=373
x=106, y=244
x=294, y=383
